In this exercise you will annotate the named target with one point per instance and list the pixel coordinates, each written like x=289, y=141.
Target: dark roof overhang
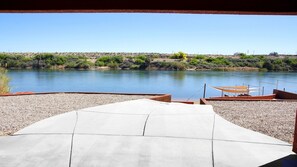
x=258, y=7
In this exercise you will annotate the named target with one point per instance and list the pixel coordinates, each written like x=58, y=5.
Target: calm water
x=181, y=84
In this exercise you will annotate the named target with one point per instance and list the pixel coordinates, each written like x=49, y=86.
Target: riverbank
x=18, y=112
x=176, y=61
x=275, y=119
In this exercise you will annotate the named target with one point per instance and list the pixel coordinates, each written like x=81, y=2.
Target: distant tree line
x=176, y=61
x=261, y=62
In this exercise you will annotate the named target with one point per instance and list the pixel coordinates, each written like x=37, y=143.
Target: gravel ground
x=276, y=119
x=17, y=112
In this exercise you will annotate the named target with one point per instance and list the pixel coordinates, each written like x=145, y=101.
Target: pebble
x=17, y=112
x=273, y=118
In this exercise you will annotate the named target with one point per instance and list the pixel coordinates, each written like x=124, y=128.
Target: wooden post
x=259, y=88
x=204, y=92
x=295, y=136
x=248, y=90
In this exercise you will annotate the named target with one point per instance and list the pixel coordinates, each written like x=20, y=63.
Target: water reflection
x=181, y=84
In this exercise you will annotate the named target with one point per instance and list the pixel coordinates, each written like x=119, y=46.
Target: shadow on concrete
x=287, y=161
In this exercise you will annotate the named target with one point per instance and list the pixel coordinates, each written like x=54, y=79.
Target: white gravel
x=17, y=112
x=276, y=119
x=273, y=118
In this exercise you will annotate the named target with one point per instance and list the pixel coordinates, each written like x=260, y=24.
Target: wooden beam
x=295, y=136
x=265, y=7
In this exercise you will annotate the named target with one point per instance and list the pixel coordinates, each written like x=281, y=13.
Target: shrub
x=43, y=60
x=201, y=57
x=290, y=61
x=194, y=62
x=244, y=56
x=99, y=63
x=126, y=64
x=268, y=65
x=142, y=61
x=179, y=55
x=117, y=59
x=83, y=64
x=104, y=59
x=59, y=60
x=4, y=82
x=70, y=65
x=109, y=59
x=113, y=65
x=209, y=59
x=178, y=66
x=221, y=61
x=134, y=67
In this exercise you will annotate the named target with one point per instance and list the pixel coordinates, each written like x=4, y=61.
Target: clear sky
x=164, y=33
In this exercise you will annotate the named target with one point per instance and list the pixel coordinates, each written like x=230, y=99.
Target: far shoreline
x=239, y=69
x=130, y=61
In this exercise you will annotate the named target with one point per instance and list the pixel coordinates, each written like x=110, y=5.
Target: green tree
x=273, y=54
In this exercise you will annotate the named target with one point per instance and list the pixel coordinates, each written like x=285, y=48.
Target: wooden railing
x=157, y=97
x=284, y=95
x=295, y=136
x=164, y=98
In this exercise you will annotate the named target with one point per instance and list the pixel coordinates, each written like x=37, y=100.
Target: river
x=186, y=85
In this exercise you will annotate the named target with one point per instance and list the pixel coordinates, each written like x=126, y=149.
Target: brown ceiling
x=277, y=7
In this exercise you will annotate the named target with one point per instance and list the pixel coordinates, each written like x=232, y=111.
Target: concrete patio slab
x=180, y=108
x=63, y=123
x=188, y=125
x=141, y=106
x=146, y=106
x=225, y=130
x=35, y=150
x=105, y=123
x=247, y=154
x=175, y=135
x=139, y=151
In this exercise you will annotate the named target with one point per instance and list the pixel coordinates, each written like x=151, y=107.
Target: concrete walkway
x=139, y=133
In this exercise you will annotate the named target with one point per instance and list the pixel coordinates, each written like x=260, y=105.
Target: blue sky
x=165, y=33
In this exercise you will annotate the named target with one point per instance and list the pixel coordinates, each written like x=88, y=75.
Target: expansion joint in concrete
x=143, y=132
x=71, y=147
x=212, y=136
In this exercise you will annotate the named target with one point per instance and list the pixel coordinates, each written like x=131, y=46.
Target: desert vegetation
x=175, y=61
x=4, y=82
